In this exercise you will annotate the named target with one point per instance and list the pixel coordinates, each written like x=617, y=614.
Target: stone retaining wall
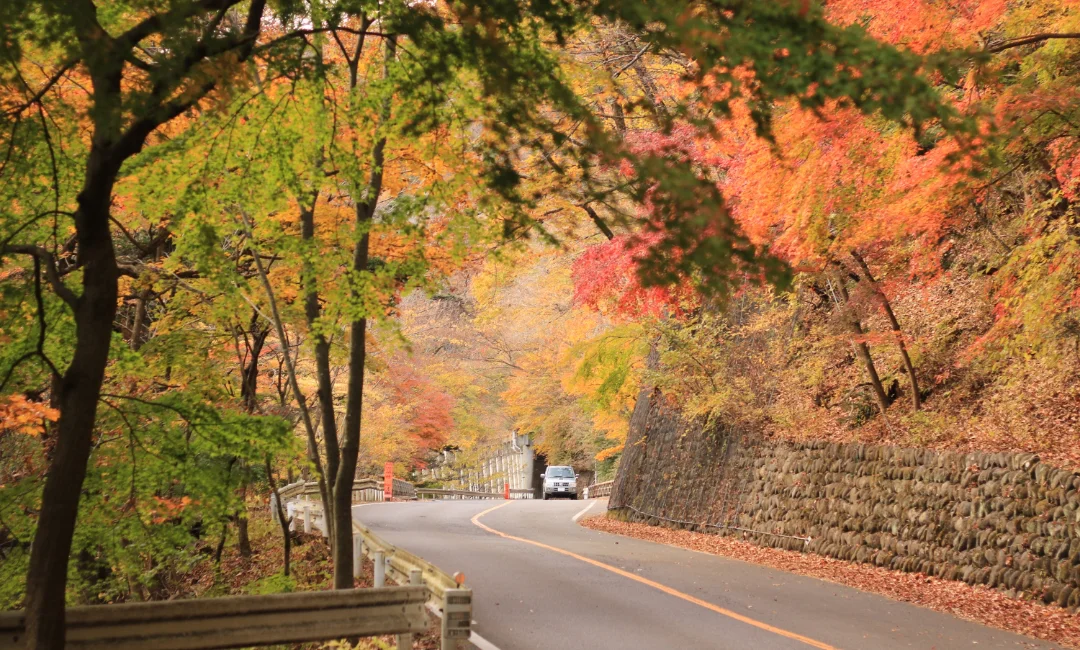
x=1003, y=520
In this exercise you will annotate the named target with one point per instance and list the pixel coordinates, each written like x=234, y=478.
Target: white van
x=559, y=481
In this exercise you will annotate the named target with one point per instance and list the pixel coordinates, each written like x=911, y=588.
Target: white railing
x=364, y=490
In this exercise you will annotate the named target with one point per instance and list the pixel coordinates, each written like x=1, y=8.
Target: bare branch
x=51, y=272
x=604, y=228
x=52, y=81
x=1028, y=40
x=630, y=62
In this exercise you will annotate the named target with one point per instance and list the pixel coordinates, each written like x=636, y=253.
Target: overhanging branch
x=48, y=260
x=1028, y=40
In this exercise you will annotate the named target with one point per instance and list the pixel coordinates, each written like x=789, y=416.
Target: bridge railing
x=363, y=490
x=440, y=493
x=597, y=490
x=403, y=489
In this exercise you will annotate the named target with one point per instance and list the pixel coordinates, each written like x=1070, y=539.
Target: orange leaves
x=20, y=415
x=1066, y=160
x=609, y=452
x=921, y=25
x=166, y=508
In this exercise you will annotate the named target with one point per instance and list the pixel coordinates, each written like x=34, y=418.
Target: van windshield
x=560, y=472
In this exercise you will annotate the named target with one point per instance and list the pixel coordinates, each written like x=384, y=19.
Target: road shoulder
x=975, y=603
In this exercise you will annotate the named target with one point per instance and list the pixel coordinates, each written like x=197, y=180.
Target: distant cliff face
x=1003, y=520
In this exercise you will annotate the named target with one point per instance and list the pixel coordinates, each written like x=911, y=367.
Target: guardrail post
x=405, y=641
x=307, y=519
x=457, y=617
x=380, y=569
x=357, y=554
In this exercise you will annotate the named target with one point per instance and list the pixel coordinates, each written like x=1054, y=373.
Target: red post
x=388, y=482
x=506, y=490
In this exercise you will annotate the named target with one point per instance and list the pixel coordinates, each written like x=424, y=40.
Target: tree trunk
x=250, y=396
x=862, y=350
x=354, y=406
x=95, y=310
x=618, y=116
x=221, y=542
x=916, y=399
x=139, y=324
x=648, y=87
x=80, y=389
x=243, y=542
x=301, y=401
x=282, y=520
x=325, y=393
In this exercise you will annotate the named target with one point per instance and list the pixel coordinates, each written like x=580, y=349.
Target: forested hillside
x=246, y=242
x=934, y=295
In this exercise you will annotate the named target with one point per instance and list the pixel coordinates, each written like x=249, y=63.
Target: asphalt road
x=559, y=586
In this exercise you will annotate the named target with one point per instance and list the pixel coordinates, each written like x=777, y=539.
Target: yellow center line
x=655, y=585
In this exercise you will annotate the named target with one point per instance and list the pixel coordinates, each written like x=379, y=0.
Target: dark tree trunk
x=599, y=222
x=221, y=543
x=648, y=87
x=312, y=311
x=350, y=448
x=862, y=350
x=80, y=389
x=139, y=323
x=250, y=396
x=250, y=378
x=282, y=521
x=243, y=541
x=916, y=399
x=95, y=310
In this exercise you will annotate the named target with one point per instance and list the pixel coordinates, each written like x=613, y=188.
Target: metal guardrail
x=597, y=490
x=400, y=564
x=442, y=592
x=236, y=621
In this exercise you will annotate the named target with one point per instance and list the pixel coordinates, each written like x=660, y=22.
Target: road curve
x=541, y=581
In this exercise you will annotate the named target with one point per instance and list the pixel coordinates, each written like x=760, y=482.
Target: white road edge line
x=583, y=511
x=480, y=642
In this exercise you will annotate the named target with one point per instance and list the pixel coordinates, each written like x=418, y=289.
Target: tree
x=133, y=94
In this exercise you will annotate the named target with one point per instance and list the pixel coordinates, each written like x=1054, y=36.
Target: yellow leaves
x=614, y=425
x=20, y=415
